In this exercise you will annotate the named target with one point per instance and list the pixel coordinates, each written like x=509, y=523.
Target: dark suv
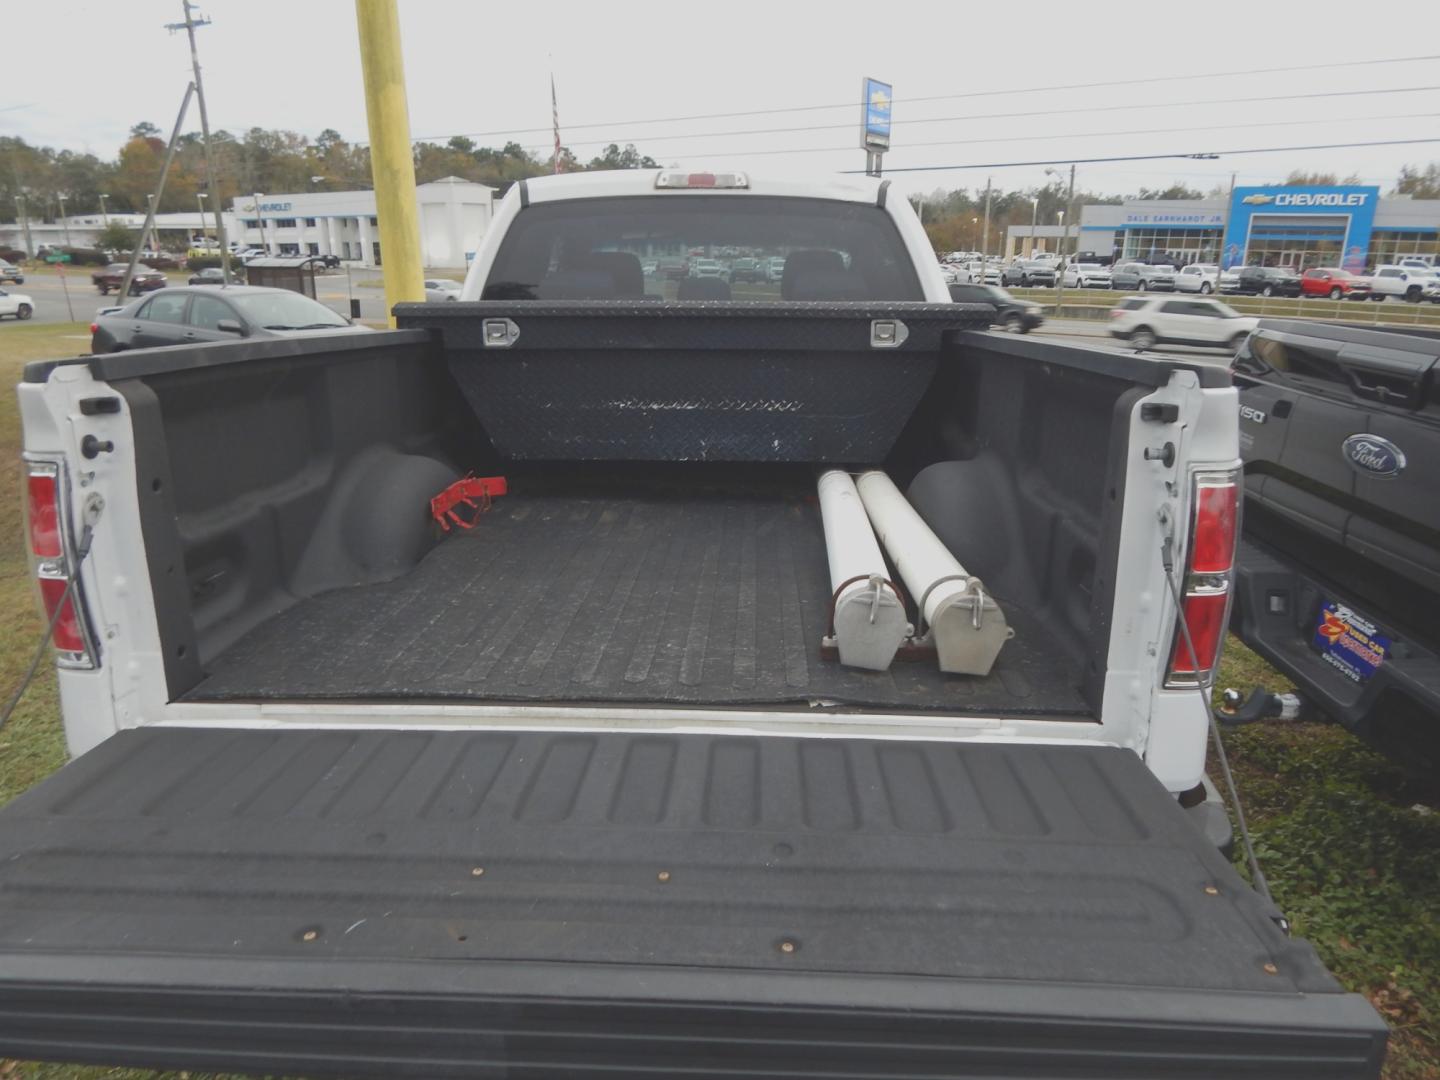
x=1016, y=316
x=1338, y=576
x=1267, y=281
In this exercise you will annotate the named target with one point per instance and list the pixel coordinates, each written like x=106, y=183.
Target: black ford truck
x=577, y=790
x=1338, y=573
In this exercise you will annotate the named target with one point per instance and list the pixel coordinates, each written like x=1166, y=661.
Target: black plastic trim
x=882, y=193
x=140, y=363
x=524, y=194
x=1107, y=565
x=1101, y=360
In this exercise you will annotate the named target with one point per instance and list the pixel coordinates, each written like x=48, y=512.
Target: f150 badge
x=1373, y=455
x=1254, y=415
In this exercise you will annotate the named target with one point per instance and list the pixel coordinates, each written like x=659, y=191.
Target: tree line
x=260, y=160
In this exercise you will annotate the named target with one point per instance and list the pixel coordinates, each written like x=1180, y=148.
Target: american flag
x=555, y=119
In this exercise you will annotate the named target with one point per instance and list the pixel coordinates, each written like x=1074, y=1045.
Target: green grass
x=1349, y=843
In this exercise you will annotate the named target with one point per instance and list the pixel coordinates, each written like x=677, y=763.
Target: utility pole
x=23, y=207
x=205, y=236
x=104, y=213
x=190, y=24
x=985, y=246
x=64, y=223
x=1064, y=243
x=154, y=199
x=392, y=161
x=1034, y=217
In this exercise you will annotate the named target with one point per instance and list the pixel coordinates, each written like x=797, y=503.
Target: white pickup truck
x=565, y=780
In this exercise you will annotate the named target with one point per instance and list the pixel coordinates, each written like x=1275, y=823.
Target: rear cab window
x=686, y=247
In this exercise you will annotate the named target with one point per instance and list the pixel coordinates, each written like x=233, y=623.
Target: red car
x=1334, y=283
x=113, y=276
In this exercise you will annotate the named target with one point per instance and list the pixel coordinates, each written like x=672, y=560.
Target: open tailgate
x=528, y=904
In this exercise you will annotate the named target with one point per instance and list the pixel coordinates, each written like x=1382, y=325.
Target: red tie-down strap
x=474, y=492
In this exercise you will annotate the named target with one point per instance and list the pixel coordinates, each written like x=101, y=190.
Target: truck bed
x=535, y=904
x=718, y=601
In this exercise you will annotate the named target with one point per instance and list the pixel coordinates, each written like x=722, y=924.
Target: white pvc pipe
x=870, y=621
x=967, y=625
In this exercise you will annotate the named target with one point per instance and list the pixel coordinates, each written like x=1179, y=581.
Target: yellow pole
x=391, y=163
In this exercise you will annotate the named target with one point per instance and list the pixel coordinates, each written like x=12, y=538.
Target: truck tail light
x=1209, y=573
x=53, y=564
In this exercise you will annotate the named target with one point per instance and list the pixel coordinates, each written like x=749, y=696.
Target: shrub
x=205, y=262
x=12, y=255
x=86, y=256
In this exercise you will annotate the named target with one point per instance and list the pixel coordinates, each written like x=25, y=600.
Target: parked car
x=706, y=268
x=986, y=273
x=1147, y=321
x=954, y=273
x=1335, y=283
x=1404, y=283
x=112, y=277
x=1084, y=275
x=1267, y=281
x=1197, y=278
x=17, y=304
x=10, y=272
x=1046, y=257
x=438, y=290
x=197, y=315
x=1339, y=567
x=748, y=270
x=247, y=254
x=1229, y=280
x=1416, y=263
x=1143, y=276
x=1027, y=272
x=776, y=268
x=211, y=275
x=1016, y=316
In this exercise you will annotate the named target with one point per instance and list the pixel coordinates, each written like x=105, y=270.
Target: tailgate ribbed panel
x=563, y=904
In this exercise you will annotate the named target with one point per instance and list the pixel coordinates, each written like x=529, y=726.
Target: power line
x=1074, y=135
x=1008, y=92
x=1150, y=157
x=1130, y=107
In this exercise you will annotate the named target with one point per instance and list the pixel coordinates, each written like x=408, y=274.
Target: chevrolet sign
x=1321, y=198
x=1258, y=200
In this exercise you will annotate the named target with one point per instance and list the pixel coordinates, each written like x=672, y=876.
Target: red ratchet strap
x=474, y=492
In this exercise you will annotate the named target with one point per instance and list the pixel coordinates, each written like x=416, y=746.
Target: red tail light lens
x=42, y=513
x=1205, y=615
x=53, y=564
x=67, y=637
x=1209, y=570
x=1212, y=544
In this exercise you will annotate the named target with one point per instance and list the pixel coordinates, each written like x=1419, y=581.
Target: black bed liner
x=581, y=600
x=569, y=904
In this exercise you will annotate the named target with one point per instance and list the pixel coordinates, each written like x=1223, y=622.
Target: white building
x=83, y=230
x=454, y=215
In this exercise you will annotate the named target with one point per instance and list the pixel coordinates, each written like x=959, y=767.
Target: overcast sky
x=78, y=75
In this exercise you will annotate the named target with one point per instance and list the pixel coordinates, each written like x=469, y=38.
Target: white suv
x=1084, y=275
x=1197, y=278
x=1405, y=283
x=1146, y=321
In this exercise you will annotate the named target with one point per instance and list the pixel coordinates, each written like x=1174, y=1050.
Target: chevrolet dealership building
x=1347, y=226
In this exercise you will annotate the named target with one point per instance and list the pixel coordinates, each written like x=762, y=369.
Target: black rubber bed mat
x=564, y=599
x=528, y=904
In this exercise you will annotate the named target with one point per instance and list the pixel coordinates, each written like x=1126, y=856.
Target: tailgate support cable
x=1257, y=876
x=93, y=506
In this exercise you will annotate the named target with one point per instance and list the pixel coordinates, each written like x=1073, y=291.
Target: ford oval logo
x=1374, y=455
